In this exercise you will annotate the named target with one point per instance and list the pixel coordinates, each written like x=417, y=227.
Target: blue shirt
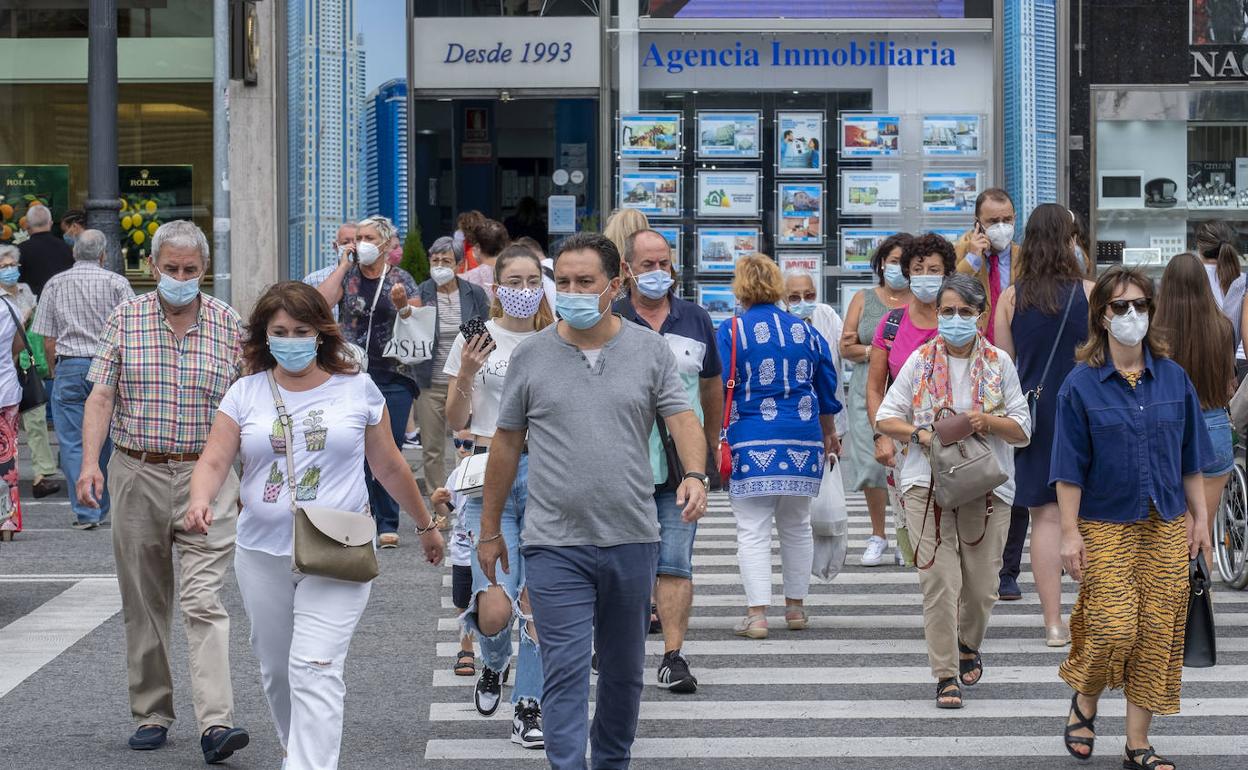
x=1129, y=448
x=1004, y=260
x=785, y=381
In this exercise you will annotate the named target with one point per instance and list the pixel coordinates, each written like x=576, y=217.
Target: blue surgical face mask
x=294, y=354
x=579, y=310
x=957, y=331
x=803, y=309
x=655, y=283
x=178, y=293
x=9, y=275
x=894, y=278
x=926, y=287
x=69, y=238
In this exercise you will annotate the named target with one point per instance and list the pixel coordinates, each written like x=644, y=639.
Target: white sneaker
x=873, y=556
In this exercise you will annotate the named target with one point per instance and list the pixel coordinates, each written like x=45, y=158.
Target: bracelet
x=490, y=539
x=467, y=395
x=433, y=524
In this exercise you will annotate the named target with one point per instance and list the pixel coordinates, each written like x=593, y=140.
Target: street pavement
x=853, y=690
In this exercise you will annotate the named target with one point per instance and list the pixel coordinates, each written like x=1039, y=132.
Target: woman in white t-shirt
x=301, y=625
x=477, y=368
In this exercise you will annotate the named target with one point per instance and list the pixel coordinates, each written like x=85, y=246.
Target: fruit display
x=13, y=215
x=141, y=215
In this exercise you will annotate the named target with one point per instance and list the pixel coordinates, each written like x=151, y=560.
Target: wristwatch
x=914, y=437
x=706, y=481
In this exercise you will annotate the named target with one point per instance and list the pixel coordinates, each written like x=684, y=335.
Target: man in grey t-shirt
x=587, y=391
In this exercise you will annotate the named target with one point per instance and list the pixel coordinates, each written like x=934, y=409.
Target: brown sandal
x=465, y=663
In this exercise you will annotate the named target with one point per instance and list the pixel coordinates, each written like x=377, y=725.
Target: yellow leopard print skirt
x=1127, y=627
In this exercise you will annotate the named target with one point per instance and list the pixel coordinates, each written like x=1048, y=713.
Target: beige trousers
x=35, y=423
x=960, y=588
x=431, y=416
x=148, y=505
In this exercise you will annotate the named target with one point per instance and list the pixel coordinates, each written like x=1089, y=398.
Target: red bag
x=725, y=452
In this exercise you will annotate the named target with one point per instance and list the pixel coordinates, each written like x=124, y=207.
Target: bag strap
x=381, y=282
x=892, y=324
x=288, y=434
x=732, y=380
x=19, y=330
x=1056, y=342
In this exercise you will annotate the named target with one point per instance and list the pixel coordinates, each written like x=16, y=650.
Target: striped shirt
x=450, y=316
x=167, y=391
x=76, y=304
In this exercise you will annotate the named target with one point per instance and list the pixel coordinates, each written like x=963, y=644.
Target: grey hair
x=385, y=228
x=797, y=272
x=38, y=216
x=89, y=246
x=447, y=243
x=10, y=251
x=181, y=233
x=968, y=288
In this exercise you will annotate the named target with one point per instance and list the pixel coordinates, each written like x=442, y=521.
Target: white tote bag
x=412, y=339
x=829, y=515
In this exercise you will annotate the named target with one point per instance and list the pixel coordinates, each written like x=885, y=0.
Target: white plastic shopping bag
x=412, y=339
x=828, y=513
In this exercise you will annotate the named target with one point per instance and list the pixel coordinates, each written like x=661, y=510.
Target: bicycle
x=1230, y=525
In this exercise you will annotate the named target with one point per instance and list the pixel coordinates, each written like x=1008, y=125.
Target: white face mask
x=366, y=253
x=1000, y=235
x=442, y=275
x=1129, y=329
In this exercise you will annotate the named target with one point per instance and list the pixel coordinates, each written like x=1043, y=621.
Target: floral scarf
x=931, y=389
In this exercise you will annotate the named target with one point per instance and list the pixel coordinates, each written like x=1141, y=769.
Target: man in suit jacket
x=988, y=250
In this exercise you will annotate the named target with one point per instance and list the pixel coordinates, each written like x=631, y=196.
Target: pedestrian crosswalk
x=855, y=685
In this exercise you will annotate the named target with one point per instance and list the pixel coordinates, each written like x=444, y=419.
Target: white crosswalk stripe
x=820, y=694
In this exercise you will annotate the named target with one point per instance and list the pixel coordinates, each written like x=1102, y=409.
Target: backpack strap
x=892, y=323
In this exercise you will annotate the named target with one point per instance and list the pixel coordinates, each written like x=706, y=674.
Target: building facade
x=1029, y=38
x=384, y=169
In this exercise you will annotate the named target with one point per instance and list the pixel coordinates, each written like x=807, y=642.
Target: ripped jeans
x=496, y=650
x=301, y=626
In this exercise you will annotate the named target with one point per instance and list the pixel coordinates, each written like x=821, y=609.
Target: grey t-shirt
x=589, y=426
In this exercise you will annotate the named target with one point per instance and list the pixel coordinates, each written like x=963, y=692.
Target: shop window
x=151, y=18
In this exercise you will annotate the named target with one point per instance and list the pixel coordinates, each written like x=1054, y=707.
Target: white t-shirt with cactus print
x=329, y=423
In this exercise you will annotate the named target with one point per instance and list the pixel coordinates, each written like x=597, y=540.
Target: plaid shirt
x=75, y=305
x=167, y=391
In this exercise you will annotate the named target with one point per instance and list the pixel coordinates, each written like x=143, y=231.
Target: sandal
x=1081, y=723
x=975, y=664
x=1144, y=759
x=948, y=694
x=796, y=618
x=465, y=663
x=752, y=626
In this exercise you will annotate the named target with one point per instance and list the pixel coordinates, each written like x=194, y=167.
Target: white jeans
x=301, y=626
x=792, y=516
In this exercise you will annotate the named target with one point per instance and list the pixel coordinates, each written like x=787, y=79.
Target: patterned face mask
x=518, y=303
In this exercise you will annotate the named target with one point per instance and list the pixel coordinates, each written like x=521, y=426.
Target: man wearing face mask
x=652, y=303
x=369, y=293
x=591, y=533
x=988, y=251
x=457, y=301
x=165, y=361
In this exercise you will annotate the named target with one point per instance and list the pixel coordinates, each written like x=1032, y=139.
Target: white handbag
x=468, y=479
x=411, y=341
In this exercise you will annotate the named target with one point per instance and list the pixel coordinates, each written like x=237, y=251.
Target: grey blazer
x=472, y=304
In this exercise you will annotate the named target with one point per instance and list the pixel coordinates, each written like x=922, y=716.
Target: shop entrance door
x=504, y=158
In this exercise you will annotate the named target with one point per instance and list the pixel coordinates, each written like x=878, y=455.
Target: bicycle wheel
x=1230, y=530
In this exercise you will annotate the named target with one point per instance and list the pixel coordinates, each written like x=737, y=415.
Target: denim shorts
x=675, y=538
x=1219, y=424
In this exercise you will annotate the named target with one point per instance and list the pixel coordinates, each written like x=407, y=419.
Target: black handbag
x=675, y=470
x=34, y=395
x=1199, y=643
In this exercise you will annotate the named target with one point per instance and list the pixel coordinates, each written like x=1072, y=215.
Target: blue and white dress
x=786, y=380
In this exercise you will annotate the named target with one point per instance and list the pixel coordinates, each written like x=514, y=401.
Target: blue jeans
x=585, y=598
x=496, y=649
x=69, y=396
x=1219, y=424
x=675, y=538
x=399, y=393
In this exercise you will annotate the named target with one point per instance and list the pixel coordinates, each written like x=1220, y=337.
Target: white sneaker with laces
x=873, y=556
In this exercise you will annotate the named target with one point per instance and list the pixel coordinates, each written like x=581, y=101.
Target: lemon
x=125, y=221
x=138, y=237
x=124, y=205
x=152, y=227
x=150, y=206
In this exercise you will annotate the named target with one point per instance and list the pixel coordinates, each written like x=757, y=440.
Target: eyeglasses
x=1141, y=305
x=796, y=298
x=466, y=444
x=520, y=283
x=965, y=313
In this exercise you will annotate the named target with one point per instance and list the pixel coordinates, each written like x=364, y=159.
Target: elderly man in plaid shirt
x=166, y=360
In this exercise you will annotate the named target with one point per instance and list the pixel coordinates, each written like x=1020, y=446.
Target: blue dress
x=786, y=380
x=1034, y=332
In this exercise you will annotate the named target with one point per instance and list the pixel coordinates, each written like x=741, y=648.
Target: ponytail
x=1215, y=240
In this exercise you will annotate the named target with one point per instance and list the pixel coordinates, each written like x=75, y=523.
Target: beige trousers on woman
x=960, y=587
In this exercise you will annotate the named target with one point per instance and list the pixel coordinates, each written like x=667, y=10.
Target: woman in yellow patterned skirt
x=1129, y=448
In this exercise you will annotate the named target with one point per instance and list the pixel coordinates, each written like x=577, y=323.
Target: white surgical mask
x=1130, y=328
x=1000, y=235
x=366, y=253
x=442, y=275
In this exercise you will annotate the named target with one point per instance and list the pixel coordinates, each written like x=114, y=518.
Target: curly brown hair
x=306, y=305
x=925, y=245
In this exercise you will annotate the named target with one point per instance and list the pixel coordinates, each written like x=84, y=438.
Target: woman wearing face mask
x=866, y=310
x=457, y=301
x=958, y=552
x=1128, y=422
x=301, y=625
x=477, y=368
x=925, y=263
x=1040, y=323
x=801, y=299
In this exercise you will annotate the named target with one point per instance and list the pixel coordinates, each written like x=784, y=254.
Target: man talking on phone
x=988, y=250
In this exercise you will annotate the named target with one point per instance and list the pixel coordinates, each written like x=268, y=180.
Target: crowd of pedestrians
x=1070, y=393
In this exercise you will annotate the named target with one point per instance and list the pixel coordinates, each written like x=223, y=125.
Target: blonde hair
x=757, y=280
x=544, y=317
x=623, y=223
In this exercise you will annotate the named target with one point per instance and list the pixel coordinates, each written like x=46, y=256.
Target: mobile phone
x=979, y=227
x=475, y=327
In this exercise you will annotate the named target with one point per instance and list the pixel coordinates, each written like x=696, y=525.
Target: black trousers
x=1012, y=556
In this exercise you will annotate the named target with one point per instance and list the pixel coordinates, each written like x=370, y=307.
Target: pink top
x=483, y=276
x=909, y=339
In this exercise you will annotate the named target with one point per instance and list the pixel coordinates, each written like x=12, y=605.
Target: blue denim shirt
x=1127, y=448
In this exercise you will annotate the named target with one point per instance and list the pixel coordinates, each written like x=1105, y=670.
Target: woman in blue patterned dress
x=781, y=432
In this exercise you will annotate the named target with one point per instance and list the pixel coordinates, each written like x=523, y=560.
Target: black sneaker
x=674, y=674
x=488, y=693
x=526, y=725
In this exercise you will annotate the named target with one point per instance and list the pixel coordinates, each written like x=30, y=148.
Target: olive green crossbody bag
x=327, y=542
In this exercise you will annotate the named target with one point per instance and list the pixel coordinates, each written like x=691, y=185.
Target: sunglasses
x=1141, y=305
x=965, y=313
x=465, y=444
